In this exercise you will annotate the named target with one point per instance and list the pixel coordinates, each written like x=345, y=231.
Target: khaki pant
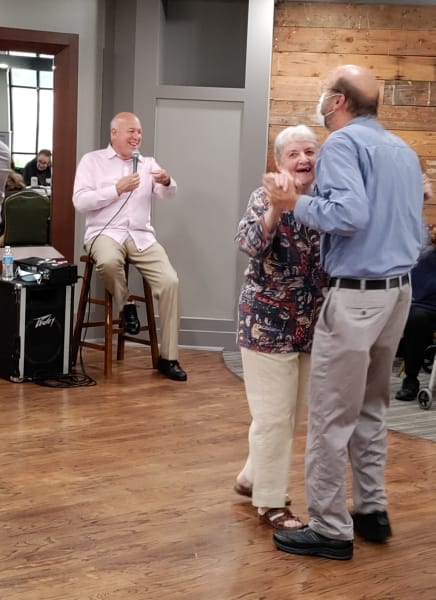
x=356, y=337
x=155, y=267
x=276, y=387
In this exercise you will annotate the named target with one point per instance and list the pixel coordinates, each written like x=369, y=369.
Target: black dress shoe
x=171, y=369
x=130, y=321
x=406, y=394
x=374, y=527
x=409, y=389
x=310, y=543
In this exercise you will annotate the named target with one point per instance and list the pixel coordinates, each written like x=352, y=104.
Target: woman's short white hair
x=296, y=133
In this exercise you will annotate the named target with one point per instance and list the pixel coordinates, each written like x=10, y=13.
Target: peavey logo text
x=44, y=321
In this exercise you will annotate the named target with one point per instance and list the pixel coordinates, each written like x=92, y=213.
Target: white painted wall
x=199, y=225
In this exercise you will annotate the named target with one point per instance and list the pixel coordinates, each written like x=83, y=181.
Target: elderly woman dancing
x=278, y=305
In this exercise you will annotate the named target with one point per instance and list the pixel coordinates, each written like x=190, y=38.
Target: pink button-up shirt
x=96, y=195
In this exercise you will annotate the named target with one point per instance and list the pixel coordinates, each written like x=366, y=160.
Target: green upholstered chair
x=27, y=219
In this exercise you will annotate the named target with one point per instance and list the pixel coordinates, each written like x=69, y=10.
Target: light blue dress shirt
x=367, y=202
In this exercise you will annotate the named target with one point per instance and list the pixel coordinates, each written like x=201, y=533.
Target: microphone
x=135, y=157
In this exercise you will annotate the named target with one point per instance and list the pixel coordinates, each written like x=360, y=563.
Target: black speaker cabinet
x=35, y=330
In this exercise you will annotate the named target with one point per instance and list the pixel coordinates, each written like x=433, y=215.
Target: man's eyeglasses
x=327, y=90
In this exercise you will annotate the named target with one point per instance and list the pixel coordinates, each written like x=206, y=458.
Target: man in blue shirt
x=368, y=208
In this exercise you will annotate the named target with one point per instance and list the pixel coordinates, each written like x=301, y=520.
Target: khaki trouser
x=355, y=341
x=155, y=267
x=276, y=387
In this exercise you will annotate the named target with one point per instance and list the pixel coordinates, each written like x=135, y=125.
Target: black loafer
x=130, y=321
x=409, y=389
x=374, y=527
x=171, y=369
x=406, y=394
x=310, y=543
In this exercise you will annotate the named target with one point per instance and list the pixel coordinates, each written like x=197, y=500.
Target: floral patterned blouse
x=282, y=293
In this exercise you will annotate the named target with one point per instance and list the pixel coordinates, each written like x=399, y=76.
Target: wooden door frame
x=65, y=49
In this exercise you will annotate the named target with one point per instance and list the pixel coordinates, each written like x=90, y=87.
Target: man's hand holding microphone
x=128, y=183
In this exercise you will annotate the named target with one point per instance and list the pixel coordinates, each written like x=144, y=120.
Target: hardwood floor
x=124, y=490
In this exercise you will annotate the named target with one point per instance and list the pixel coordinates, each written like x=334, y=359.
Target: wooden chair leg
x=108, y=332
x=112, y=326
x=84, y=293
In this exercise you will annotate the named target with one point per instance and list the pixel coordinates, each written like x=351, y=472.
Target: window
x=30, y=83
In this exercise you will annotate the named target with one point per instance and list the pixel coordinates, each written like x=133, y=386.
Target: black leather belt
x=369, y=284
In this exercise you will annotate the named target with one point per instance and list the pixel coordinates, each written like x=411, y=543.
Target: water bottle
x=7, y=264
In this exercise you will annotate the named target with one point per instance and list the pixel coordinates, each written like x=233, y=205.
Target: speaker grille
x=44, y=339
x=44, y=330
x=35, y=325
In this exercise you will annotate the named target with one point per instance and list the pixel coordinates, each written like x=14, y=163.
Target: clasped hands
x=128, y=183
x=161, y=176
x=281, y=190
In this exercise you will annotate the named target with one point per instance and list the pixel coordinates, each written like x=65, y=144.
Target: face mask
x=28, y=275
x=320, y=116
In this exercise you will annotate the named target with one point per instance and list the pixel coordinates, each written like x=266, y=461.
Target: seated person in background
x=428, y=190
x=114, y=187
x=14, y=183
x=39, y=167
x=421, y=323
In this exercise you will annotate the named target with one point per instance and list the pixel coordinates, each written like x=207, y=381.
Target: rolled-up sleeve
x=340, y=204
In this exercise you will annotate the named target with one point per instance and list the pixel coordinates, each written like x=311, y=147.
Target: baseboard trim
x=207, y=333
x=198, y=333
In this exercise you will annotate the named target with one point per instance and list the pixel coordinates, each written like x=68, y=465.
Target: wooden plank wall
x=398, y=42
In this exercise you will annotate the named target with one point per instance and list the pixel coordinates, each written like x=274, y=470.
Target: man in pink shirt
x=113, y=187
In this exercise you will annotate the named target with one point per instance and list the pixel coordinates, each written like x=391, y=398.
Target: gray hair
x=298, y=133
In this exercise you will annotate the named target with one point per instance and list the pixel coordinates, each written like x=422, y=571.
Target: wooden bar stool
x=112, y=326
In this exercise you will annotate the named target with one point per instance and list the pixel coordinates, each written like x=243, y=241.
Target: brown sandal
x=245, y=490
x=277, y=517
x=242, y=490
